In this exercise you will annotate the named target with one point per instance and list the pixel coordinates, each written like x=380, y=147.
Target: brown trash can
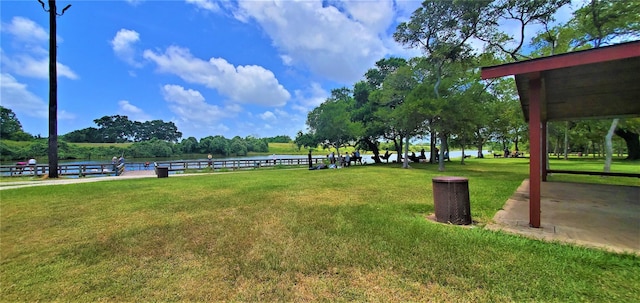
x=162, y=172
x=451, y=200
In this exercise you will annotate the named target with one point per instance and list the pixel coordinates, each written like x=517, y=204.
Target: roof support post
x=545, y=152
x=535, y=141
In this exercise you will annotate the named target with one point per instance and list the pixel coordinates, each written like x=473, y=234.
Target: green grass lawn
x=354, y=234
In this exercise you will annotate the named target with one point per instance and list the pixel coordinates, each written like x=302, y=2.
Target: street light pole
x=53, y=88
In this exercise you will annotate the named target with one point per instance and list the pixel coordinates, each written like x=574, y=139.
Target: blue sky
x=231, y=68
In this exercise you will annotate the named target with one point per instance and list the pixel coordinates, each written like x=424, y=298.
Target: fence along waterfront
x=107, y=169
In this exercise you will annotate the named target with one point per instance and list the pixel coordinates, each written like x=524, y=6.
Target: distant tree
x=10, y=126
x=158, y=129
x=256, y=145
x=151, y=148
x=89, y=135
x=115, y=128
x=189, y=145
x=238, y=146
x=218, y=145
x=279, y=139
x=9, y=123
x=305, y=140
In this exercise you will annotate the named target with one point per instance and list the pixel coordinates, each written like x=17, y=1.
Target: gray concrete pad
x=592, y=215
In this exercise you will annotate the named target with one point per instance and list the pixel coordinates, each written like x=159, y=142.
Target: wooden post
x=535, y=139
x=545, y=153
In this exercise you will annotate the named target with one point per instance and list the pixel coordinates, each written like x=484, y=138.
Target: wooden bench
x=386, y=158
x=356, y=160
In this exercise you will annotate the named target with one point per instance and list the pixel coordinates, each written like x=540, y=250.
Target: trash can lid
x=450, y=179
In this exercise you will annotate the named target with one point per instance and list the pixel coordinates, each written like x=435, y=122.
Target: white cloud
x=310, y=97
x=28, y=66
x=374, y=15
x=267, y=116
x=205, y=4
x=134, y=2
x=26, y=30
x=133, y=112
x=123, y=45
x=271, y=123
x=31, y=59
x=248, y=84
x=337, y=44
x=20, y=100
x=194, y=113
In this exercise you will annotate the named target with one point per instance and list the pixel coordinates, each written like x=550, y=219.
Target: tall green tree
x=604, y=22
x=443, y=30
x=394, y=110
x=368, y=111
x=330, y=123
x=522, y=13
x=600, y=23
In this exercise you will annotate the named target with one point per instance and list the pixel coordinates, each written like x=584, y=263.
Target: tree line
x=119, y=129
x=149, y=139
x=440, y=95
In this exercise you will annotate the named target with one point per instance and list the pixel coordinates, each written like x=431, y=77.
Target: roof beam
x=603, y=54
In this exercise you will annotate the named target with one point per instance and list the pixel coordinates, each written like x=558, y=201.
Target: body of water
x=365, y=158
x=139, y=163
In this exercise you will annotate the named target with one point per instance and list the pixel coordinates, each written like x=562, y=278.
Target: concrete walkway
x=63, y=181
x=593, y=215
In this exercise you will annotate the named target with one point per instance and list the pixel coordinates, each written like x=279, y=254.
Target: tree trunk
x=405, y=163
x=633, y=143
x=566, y=141
x=443, y=148
x=374, y=148
x=546, y=152
x=398, y=144
x=432, y=155
x=53, y=93
x=609, y=146
x=480, y=144
x=462, y=160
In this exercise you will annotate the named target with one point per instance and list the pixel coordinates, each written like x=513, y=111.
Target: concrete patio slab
x=592, y=215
